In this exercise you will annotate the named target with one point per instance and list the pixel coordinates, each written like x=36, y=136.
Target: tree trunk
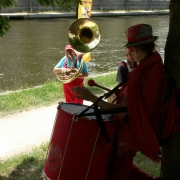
x=170, y=165
x=172, y=48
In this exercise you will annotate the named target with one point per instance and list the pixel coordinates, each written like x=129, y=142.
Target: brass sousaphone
x=84, y=36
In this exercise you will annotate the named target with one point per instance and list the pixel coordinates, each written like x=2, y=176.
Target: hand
x=80, y=56
x=64, y=70
x=83, y=93
x=68, y=71
x=74, y=70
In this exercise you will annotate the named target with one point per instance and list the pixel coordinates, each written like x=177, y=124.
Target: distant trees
x=4, y=22
x=64, y=4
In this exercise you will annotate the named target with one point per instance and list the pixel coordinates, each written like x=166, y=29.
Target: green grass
x=29, y=166
x=147, y=165
x=26, y=166
x=47, y=94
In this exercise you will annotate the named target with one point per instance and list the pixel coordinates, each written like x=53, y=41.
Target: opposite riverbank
x=39, y=15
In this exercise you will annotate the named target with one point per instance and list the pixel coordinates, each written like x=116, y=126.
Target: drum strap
x=97, y=112
x=110, y=111
x=101, y=123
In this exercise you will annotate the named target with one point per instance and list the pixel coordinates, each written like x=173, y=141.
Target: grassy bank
x=46, y=94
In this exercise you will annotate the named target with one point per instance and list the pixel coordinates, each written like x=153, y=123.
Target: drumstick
x=91, y=82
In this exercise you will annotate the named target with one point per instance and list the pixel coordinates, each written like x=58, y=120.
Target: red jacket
x=146, y=109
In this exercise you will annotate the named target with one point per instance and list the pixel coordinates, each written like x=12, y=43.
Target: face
x=129, y=57
x=134, y=53
x=70, y=52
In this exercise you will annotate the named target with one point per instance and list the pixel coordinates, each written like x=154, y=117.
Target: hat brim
x=154, y=38
x=69, y=48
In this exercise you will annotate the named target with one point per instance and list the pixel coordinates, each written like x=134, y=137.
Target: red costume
x=145, y=123
x=69, y=95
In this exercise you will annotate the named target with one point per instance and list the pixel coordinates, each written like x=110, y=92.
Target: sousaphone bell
x=84, y=36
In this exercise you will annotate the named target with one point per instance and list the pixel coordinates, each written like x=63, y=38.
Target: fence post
x=30, y=3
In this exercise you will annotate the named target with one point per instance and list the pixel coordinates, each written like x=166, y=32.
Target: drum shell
x=78, y=150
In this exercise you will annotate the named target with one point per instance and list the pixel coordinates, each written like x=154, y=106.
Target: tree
x=4, y=22
x=64, y=4
x=170, y=151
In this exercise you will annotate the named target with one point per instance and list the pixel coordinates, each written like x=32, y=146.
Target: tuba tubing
x=71, y=74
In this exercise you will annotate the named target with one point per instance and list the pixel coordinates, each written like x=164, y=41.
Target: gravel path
x=23, y=131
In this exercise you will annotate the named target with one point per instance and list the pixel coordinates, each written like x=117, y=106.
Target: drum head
x=78, y=108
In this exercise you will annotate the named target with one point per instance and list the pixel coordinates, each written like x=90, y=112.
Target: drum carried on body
x=77, y=149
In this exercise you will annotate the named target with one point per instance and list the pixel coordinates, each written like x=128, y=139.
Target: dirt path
x=23, y=131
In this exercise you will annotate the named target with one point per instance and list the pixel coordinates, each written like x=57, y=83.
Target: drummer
x=144, y=96
x=71, y=61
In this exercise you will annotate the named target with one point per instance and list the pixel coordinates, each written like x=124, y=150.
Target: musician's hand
x=67, y=71
x=61, y=70
x=83, y=93
x=74, y=70
x=64, y=70
x=80, y=56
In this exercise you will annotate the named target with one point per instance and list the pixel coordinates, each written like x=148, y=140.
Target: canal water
x=32, y=48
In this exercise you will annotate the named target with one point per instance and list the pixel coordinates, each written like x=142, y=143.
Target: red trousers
x=68, y=94
x=121, y=165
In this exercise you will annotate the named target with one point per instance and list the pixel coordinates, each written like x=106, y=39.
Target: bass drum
x=78, y=149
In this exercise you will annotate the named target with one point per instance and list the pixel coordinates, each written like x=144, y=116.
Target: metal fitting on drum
x=75, y=117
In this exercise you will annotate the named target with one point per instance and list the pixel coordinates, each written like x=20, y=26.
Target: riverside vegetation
x=47, y=94
x=29, y=166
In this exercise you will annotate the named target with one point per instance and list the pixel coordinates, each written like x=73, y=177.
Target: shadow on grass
x=29, y=169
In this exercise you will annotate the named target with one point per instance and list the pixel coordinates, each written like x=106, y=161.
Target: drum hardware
x=75, y=118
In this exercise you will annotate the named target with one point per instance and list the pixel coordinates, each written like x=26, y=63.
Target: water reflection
x=33, y=47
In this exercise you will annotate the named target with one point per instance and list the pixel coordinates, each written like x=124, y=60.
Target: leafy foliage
x=7, y=3
x=4, y=26
x=64, y=4
x=4, y=22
